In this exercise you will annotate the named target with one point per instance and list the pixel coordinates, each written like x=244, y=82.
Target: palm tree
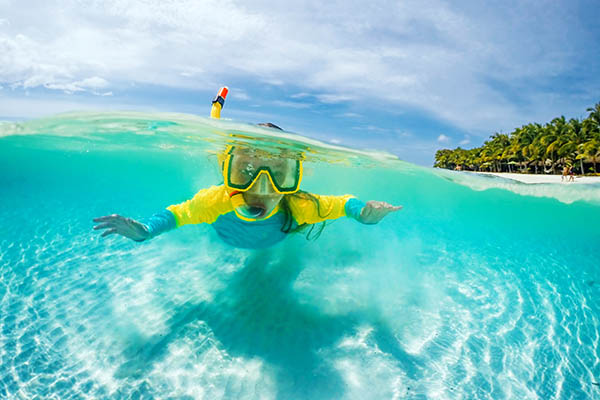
x=577, y=136
x=519, y=141
x=442, y=158
x=591, y=150
x=554, y=137
x=594, y=114
x=486, y=154
x=473, y=159
x=500, y=142
x=530, y=145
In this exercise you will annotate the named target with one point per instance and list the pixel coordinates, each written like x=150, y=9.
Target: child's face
x=261, y=194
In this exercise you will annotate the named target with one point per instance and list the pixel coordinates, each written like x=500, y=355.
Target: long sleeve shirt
x=213, y=206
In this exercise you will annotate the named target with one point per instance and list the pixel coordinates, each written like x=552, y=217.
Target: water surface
x=478, y=289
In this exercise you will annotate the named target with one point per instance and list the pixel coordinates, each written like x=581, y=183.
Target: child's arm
x=137, y=230
x=205, y=207
x=305, y=210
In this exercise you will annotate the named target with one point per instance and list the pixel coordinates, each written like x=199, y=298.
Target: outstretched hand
x=374, y=211
x=127, y=227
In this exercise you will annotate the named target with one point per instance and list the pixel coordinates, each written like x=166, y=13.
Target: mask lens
x=242, y=171
x=245, y=169
x=286, y=174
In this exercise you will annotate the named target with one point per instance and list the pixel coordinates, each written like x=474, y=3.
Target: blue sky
x=408, y=77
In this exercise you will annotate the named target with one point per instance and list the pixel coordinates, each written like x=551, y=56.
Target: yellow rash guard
x=213, y=206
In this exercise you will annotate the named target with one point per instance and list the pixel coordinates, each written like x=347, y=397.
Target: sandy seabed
x=533, y=178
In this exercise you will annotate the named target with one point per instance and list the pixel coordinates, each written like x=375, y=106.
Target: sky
x=408, y=77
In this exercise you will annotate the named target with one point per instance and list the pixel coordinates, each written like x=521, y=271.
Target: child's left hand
x=374, y=211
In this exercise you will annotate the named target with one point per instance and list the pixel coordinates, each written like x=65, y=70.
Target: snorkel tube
x=218, y=103
x=241, y=209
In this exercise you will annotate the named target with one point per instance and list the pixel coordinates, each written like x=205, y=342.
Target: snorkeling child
x=259, y=203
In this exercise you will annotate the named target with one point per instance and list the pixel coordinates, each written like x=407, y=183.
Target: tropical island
x=533, y=148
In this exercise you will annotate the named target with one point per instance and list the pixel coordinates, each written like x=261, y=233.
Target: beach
x=538, y=178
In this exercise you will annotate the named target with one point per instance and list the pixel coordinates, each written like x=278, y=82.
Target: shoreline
x=533, y=178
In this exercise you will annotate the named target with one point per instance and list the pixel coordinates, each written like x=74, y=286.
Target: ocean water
x=480, y=288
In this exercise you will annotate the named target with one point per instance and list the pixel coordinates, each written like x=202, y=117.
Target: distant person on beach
x=258, y=204
x=571, y=174
x=565, y=173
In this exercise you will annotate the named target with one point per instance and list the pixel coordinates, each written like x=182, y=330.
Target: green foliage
x=533, y=148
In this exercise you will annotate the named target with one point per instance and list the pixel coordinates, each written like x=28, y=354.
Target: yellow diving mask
x=259, y=173
x=263, y=173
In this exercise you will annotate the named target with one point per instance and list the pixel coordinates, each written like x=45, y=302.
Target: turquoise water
x=480, y=288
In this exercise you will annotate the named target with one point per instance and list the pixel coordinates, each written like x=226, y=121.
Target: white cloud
x=299, y=95
x=88, y=84
x=94, y=82
x=349, y=115
x=32, y=107
x=191, y=72
x=374, y=128
x=370, y=128
x=465, y=141
x=334, y=98
x=433, y=56
x=443, y=139
x=404, y=134
x=238, y=94
x=290, y=104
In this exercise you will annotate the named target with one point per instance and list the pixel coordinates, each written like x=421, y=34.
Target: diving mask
x=261, y=173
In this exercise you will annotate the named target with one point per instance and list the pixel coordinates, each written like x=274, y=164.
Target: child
x=259, y=203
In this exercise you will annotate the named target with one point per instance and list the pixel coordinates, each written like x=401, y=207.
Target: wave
x=564, y=193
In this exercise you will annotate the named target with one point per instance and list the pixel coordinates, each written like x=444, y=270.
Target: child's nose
x=262, y=185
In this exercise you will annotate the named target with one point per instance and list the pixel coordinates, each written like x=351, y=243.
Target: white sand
x=532, y=178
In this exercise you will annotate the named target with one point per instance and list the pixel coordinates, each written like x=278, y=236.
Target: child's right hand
x=127, y=227
x=374, y=211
